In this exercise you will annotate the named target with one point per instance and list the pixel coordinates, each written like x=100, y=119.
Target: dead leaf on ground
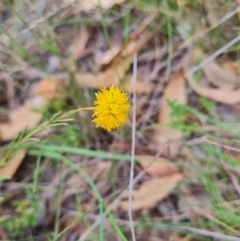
x=116, y=71
x=10, y=168
x=26, y=116
x=125, y=49
x=79, y=44
x=152, y=192
x=220, y=77
x=175, y=90
x=87, y=5
x=47, y=87
x=231, y=66
x=224, y=96
x=108, y=56
x=238, y=3
x=159, y=167
x=21, y=118
x=3, y=234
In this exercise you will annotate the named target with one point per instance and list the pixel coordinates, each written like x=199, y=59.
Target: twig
x=213, y=56
x=198, y=231
x=205, y=233
x=118, y=199
x=216, y=24
x=134, y=78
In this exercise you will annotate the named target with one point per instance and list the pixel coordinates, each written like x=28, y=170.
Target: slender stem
x=133, y=147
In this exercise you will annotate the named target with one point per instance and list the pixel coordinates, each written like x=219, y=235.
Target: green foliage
x=180, y=118
x=50, y=46
x=23, y=214
x=206, y=103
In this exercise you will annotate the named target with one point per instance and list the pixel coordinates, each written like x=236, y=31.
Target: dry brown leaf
x=152, y=192
x=23, y=117
x=115, y=71
x=120, y=53
x=79, y=44
x=102, y=79
x=110, y=77
x=220, y=95
x=187, y=238
x=238, y=3
x=3, y=233
x=128, y=49
x=231, y=66
x=9, y=170
x=103, y=3
x=220, y=77
x=175, y=90
x=87, y=5
x=27, y=116
x=159, y=167
x=108, y=56
x=47, y=87
x=139, y=86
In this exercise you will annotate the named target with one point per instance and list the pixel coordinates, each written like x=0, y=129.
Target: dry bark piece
x=152, y=192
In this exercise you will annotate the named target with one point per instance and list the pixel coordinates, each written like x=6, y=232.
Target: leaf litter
x=151, y=192
x=164, y=135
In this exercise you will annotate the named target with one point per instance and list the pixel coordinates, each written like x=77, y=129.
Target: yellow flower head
x=110, y=108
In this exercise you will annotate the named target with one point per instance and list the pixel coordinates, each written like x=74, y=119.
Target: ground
x=175, y=161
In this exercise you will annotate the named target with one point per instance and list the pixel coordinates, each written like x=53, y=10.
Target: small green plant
x=22, y=214
x=206, y=103
x=181, y=118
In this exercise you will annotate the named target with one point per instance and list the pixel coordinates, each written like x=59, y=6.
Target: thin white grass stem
x=114, y=204
x=213, y=56
x=134, y=79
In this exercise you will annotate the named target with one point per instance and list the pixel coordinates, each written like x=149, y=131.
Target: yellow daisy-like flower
x=111, y=108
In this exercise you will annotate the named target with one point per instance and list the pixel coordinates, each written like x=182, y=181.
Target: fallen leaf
x=23, y=117
x=175, y=90
x=187, y=238
x=152, y=192
x=103, y=3
x=220, y=95
x=129, y=48
x=11, y=167
x=115, y=71
x=27, y=116
x=231, y=66
x=3, y=233
x=220, y=77
x=125, y=51
x=159, y=167
x=238, y=3
x=79, y=44
x=108, y=56
x=47, y=87
x=139, y=86
x=87, y=5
